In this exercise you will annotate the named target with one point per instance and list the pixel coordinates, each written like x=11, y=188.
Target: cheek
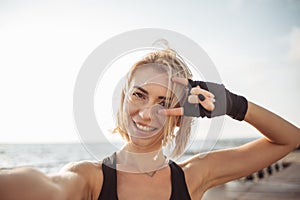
x=130, y=109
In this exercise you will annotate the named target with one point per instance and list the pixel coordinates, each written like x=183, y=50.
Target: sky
x=255, y=46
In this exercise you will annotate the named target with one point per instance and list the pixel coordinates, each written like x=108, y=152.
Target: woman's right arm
x=31, y=184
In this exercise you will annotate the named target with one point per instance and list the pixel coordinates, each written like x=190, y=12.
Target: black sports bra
x=109, y=187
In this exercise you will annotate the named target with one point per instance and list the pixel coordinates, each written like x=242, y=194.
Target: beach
x=283, y=184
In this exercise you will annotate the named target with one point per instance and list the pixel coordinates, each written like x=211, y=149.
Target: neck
x=135, y=162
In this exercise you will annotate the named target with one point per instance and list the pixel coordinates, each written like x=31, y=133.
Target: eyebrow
x=143, y=90
x=146, y=92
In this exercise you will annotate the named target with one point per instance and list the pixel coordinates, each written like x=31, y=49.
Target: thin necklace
x=150, y=174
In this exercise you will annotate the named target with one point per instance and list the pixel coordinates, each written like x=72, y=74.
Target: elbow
x=293, y=145
x=296, y=141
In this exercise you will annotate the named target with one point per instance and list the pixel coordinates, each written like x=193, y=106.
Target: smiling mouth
x=144, y=128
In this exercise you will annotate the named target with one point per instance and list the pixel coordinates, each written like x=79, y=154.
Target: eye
x=138, y=95
x=164, y=104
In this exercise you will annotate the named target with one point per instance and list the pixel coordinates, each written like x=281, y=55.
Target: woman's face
x=146, y=95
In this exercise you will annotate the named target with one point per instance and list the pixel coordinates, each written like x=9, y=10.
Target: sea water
x=49, y=158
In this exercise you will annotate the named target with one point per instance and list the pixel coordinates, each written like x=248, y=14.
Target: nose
x=150, y=112
x=145, y=113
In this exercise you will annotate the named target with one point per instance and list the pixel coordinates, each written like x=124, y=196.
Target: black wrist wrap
x=226, y=102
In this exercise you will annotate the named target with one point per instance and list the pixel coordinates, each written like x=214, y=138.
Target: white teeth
x=144, y=128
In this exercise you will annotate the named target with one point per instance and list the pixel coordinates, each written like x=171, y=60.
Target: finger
x=171, y=112
x=193, y=99
x=182, y=81
x=198, y=90
x=208, y=104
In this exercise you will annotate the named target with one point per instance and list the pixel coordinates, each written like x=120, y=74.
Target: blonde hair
x=173, y=65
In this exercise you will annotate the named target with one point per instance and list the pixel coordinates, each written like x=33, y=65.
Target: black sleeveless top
x=109, y=187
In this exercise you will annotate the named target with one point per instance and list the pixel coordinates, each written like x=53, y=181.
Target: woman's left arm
x=281, y=137
x=276, y=130
x=218, y=167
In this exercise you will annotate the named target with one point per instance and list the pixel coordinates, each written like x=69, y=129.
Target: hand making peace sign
x=207, y=99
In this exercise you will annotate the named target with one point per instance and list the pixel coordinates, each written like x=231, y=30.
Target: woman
x=158, y=105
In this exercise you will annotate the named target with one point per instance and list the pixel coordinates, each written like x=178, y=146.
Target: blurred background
x=255, y=46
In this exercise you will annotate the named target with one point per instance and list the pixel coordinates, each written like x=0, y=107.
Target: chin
x=147, y=143
x=142, y=142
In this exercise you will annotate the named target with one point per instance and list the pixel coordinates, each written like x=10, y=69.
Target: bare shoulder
x=89, y=175
x=81, y=166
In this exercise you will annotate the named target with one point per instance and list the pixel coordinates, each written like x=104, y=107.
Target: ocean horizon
x=51, y=157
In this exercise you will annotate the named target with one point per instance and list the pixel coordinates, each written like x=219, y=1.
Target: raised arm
x=280, y=138
x=276, y=130
x=30, y=184
x=218, y=167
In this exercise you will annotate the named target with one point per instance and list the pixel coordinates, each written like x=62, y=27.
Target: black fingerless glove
x=226, y=102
